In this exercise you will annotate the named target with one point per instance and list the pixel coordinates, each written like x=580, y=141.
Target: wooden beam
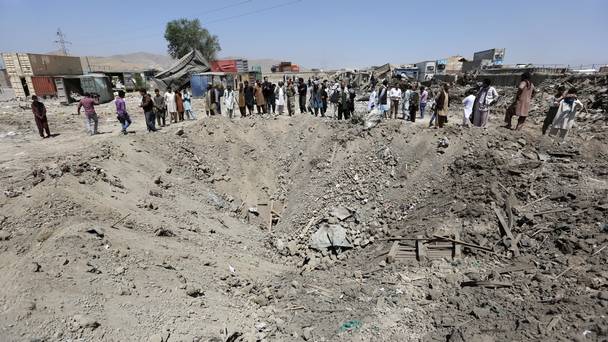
x=392, y=253
x=507, y=231
x=270, y=215
x=420, y=248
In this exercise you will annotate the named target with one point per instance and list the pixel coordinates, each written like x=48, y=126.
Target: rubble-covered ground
x=203, y=231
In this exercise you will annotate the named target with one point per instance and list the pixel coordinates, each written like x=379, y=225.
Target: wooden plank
x=503, y=222
x=551, y=211
x=307, y=227
x=270, y=216
x=457, y=247
x=507, y=232
x=509, y=208
x=516, y=268
x=466, y=244
x=535, y=201
x=489, y=284
x=390, y=258
x=420, y=248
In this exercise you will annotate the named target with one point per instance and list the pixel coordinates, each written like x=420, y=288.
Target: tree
x=183, y=35
x=139, y=81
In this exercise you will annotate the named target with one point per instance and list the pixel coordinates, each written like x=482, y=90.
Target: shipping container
x=30, y=64
x=69, y=88
x=44, y=86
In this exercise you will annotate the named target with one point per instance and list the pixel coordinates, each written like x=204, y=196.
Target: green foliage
x=183, y=35
x=139, y=81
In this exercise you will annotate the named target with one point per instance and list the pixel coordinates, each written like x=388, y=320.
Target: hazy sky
x=322, y=33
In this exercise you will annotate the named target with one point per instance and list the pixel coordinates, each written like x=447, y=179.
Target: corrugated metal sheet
x=226, y=65
x=44, y=86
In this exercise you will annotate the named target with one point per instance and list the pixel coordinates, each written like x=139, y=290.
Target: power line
x=62, y=42
x=213, y=10
x=254, y=12
x=120, y=41
x=227, y=6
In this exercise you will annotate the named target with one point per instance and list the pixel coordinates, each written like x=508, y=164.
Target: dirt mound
x=277, y=228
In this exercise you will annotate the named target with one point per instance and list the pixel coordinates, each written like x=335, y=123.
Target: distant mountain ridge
x=140, y=61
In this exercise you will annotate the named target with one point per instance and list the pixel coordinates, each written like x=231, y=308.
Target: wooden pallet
x=421, y=248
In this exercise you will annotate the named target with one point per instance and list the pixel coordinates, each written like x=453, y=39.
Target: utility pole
x=62, y=42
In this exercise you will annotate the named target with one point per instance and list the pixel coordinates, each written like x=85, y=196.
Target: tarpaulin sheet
x=179, y=74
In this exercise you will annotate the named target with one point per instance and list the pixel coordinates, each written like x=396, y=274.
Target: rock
x=155, y=338
x=443, y=143
x=164, y=232
x=168, y=170
x=279, y=244
x=98, y=232
x=156, y=193
x=292, y=247
x=522, y=142
x=433, y=294
x=260, y=326
x=194, y=292
x=179, y=132
x=329, y=235
x=35, y=267
x=124, y=292
x=307, y=333
x=83, y=321
x=4, y=236
x=216, y=200
x=260, y=300
x=29, y=305
x=480, y=313
x=603, y=295
x=341, y=213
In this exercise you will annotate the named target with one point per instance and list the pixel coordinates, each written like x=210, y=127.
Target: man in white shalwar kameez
x=566, y=113
x=171, y=105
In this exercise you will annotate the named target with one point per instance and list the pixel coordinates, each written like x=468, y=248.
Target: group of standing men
x=407, y=99
x=315, y=97
x=265, y=97
x=177, y=104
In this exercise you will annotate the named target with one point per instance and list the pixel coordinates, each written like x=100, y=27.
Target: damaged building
x=491, y=58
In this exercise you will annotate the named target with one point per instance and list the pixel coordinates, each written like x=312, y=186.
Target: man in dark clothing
x=213, y=100
x=324, y=98
x=414, y=101
x=39, y=111
x=383, y=99
x=148, y=106
x=351, y=100
x=268, y=93
x=343, y=102
x=302, y=94
x=160, y=109
x=249, y=97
